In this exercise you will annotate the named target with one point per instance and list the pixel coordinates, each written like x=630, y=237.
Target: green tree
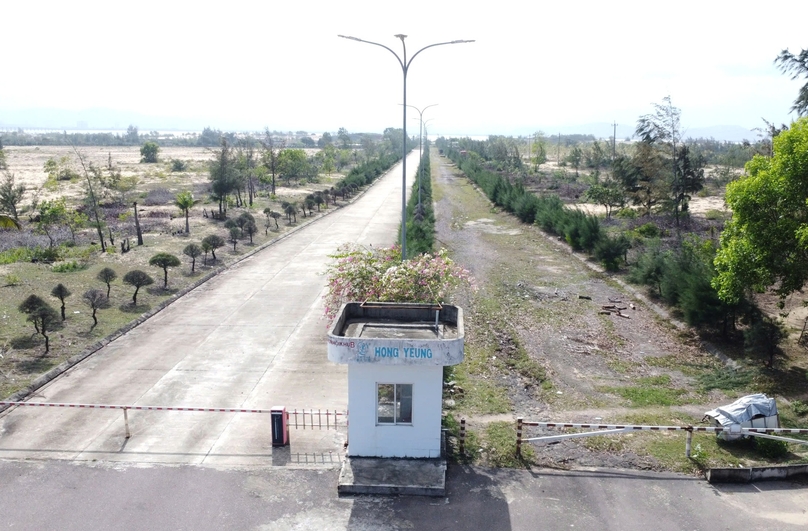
x=796, y=65
x=764, y=335
x=608, y=195
x=270, y=157
x=235, y=232
x=164, y=261
x=344, y=138
x=211, y=243
x=250, y=228
x=107, y=276
x=575, y=158
x=96, y=300
x=132, y=135
x=51, y=216
x=61, y=293
x=765, y=244
x=41, y=315
x=662, y=129
x=75, y=220
x=290, y=209
x=540, y=149
x=222, y=175
x=325, y=140
x=185, y=201
x=292, y=164
x=690, y=178
x=137, y=279
x=11, y=195
x=192, y=251
x=148, y=152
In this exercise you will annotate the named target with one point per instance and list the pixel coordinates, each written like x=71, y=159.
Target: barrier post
x=126, y=421
x=688, y=441
x=462, y=437
x=519, y=436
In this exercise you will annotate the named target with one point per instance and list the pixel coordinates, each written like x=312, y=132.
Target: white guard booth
x=395, y=354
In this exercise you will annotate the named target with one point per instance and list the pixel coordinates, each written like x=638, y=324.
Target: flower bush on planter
x=379, y=275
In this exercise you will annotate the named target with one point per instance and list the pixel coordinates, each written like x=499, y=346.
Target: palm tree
x=185, y=200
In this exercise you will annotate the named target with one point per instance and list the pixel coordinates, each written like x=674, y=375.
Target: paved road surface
x=66, y=496
x=252, y=337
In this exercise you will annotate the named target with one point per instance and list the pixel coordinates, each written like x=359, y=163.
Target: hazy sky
x=534, y=65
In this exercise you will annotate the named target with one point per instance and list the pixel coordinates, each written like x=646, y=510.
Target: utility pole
x=558, y=150
x=614, y=140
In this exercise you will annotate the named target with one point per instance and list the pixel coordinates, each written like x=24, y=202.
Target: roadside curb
x=758, y=473
x=71, y=362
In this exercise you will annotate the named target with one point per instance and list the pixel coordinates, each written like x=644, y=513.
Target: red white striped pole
x=462, y=437
x=519, y=422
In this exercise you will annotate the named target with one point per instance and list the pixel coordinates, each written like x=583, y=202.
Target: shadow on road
x=474, y=501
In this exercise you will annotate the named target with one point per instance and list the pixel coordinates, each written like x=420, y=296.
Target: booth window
x=394, y=403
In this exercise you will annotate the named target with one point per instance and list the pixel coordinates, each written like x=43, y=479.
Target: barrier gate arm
x=552, y=438
x=776, y=437
x=615, y=429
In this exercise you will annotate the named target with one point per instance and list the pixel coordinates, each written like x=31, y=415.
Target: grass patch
x=499, y=446
x=17, y=254
x=726, y=379
x=67, y=267
x=480, y=396
x=650, y=391
x=472, y=443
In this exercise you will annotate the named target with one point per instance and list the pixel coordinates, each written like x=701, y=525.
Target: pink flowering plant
x=379, y=275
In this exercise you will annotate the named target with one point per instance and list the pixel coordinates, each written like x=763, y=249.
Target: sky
x=534, y=65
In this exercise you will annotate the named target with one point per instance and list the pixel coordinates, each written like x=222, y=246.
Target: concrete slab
x=371, y=475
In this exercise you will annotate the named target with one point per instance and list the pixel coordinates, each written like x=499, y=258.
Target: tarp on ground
x=742, y=411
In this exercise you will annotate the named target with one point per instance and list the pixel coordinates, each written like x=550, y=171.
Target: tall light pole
x=405, y=66
x=420, y=145
x=421, y=172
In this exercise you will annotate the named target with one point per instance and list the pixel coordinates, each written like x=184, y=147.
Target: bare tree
x=91, y=196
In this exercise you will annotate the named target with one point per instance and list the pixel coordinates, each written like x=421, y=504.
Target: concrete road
x=252, y=337
x=184, y=497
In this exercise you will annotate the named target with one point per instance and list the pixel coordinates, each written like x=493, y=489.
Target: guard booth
x=395, y=354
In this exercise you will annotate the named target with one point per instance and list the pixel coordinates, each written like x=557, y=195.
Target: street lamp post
x=420, y=145
x=405, y=66
x=420, y=166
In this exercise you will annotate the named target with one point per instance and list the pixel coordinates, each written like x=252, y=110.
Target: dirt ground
x=27, y=162
x=548, y=303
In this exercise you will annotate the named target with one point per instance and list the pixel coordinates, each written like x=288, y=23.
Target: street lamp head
x=400, y=36
x=461, y=42
x=349, y=37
